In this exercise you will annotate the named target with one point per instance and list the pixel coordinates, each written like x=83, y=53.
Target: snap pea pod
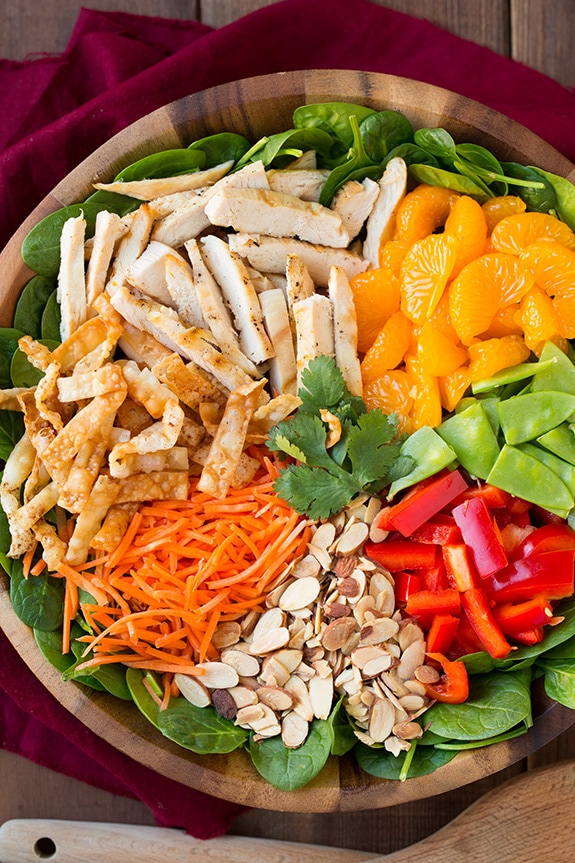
x=526, y=417
x=526, y=477
x=471, y=436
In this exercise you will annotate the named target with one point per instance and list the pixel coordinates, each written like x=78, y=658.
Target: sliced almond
x=224, y=703
x=411, y=659
x=272, y=619
x=426, y=674
x=308, y=565
x=324, y=536
x=375, y=666
x=303, y=706
x=337, y=632
x=409, y=631
x=193, y=690
x=362, y=655
x=276, y=698
x=381, y=719
x=245, y=664
x=378, y=631
x=226, y=634
x=301, y=593
x=321, y=695
x=269, y=641
x=243, y=696
x=218, y=675
x=353, y=538
x=290, y=658
x=412, y=703
x=252, y=713
x=294, y=730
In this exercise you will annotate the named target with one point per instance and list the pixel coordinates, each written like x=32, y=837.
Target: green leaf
x=200, y=729
x=11, y=430
x=31, y=304
x=167, y=163
x=289, y=769
x=8, y=347
x=314, y=491
x=140, y=695
x=322, y=386
x=50, y=326
x=37, y=600
x=560, y=680
x=342, y=737
x=307, y=434
x=379, y=762
x=371, y=447
x=22, y=372
x=221, y=147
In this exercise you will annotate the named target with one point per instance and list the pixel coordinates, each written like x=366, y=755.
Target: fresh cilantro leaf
x=370, y=447
x=284, y=445
x=323, y=386
x=307, y=434
x=314, y=491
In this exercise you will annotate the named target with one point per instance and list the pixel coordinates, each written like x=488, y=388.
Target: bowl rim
x=340, y=785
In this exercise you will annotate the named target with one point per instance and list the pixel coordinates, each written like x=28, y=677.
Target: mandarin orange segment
x=553, y=268
x=391, y=393
x=482, y=288
x=452, y=387
x=424, y=389
x=441, y=320
x=504, y=323
x=388, y=349
x=391, y=255
x=515, y=233
x=495, y=209
x=439, y=355
x=466, y=222
x=492, y=355
x=424, y=274
x=422, y=211
x=376, y=298
x=539, y=320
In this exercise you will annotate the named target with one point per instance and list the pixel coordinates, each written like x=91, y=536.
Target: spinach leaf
x=8, y=346
x=22, y=372
x=291, y=144
x=109, y=678
x=332, y=118
x=113, y=201
x=438, y=142
x=496, y=703
x=478, y=744
x=221, y=147
x=478, y=663
x=448, y=180
x=200, y=729
x=140, y=695
x=11, y=430
x=540, y=197
x=50, y=643
x=289, y=769
x=383, y=132
x=560, y=680
x=37, y=600
x=565, y=196
x=342, y=737
x=167, y=163
x=412, y=155
x=50, y=326
x=357, y=164
x=379, y=762
x=31, y=304
x=5, y=538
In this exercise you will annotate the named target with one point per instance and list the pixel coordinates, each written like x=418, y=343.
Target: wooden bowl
x=248, y=108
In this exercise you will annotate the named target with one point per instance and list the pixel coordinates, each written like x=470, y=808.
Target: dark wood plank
x=24, y=31
x=542, y=36
x=218, y=13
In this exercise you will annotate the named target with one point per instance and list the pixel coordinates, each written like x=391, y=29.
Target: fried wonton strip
x=246, y=468
x=145, y=388
x=40, y=432
x=75, y=492
x=109, y=229
x=83, y=341
x=10, y=398
x=146, y=190
x=187, y=381
x=53, y=548
x=94, y=360
x=88, y=385
x=114, y=526
x=38, y=354
x=18, y=466
x=142, y=347
x=81, y=428
x=22, y=519
x=36, y=480
x=159, y=485
x=71, y=291
x=228, y=444
x=276, y=410
x=102, y=496
x=46, y=397
x=191, y=435
x=175, y=458
x=161, y=435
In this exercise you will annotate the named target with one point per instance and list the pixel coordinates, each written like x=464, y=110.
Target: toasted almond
x=322, y=668
x=276, y=698
x=375, y=666
x=294, y=730
x=412, y=703
x=362, y=655
x=299, y=690
x=269, y=641
x=193, y=690
x=243, y=696
x=251, y=713
x=415, y=687
x=301, y=593
x=336, y=609
x=396, y=745
x=290, y=658
x=273, y=672
x=411, y=659
x=321, y=695
x=337, y=632
x=322, y=556
x=381, y=719
x=271, y=619
x=352, y=538
x=249, y=622
x=372, y=509
x=426, y=674
x=378, y=631
x=308, y=565
x=324, y=536
x=218, y=675
x=376, y=534
x=362, y=606
x=344, y=565
x=224, y=703
x=226, y=634
x=409, y=631
x=244, y=663
x=268, y=722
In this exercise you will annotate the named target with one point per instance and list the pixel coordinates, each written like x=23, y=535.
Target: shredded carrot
x=181, y=568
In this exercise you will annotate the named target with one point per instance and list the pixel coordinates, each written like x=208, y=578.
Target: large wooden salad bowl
x=255, y=107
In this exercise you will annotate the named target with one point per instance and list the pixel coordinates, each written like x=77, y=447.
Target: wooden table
x=534, y=32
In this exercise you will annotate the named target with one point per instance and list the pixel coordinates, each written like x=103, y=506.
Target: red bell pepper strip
x=396, y=555
x=453, y=685
x=406, y=583
x=440, y=531
x=434, y=578
x=479, y=534
x=530, y=637
x=441, y=633
x=476, y=606
x=519, y=617
x=494, y=498
x=426, y=501
x=549, y=573
x=459, y=567
x=431, y=602
x=550, y=537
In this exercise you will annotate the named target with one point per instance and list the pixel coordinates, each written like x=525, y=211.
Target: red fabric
x=118, y=67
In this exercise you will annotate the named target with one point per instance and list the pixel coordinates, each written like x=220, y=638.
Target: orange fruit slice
x=376, y=298
x=553, y=267
x=482, y=288
x=425, y=272
x=539, y=321
x=422, y=211
x=439, y=355
x=388, y=349
x=452, y=387
x=504, y=323
x=391, y=393
x=391, y=255
x=515, y=233
x=466, y=222
x=495, y=209
x=492, y=355
x=424, y=389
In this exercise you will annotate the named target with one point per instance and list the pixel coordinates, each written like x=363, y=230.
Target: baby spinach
x=167, y=163
x=497, y=702
x=379, y=762
x=11, y=430
x=31, y=304
x=221, y=147
x=38, y=600
x=438, y=142
x=290, y=144
x=108, y=678
x=565, y=196
x=448, y=180
x=381, y=133
x=22, y=372
x=560, y=680
x=289, y=769
x=8, y=346
x=459, y=746
x=342, y=737
x=200, y=729
x=332, y=118
x=50, y=327
x=538, y=193
x=140, y=695
x=50, y=643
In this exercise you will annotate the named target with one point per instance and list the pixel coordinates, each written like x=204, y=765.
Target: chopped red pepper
x=435, y=578
x=512, y=536
x=479, y=613
x=431, y=602
x=406, y=583
x=465, y=641
x=426, y=501
x=495, y=498
x=440, y=531
x=522, y=616
x=453, y=685
x=529, y=637
x=480, y=535
x=550, y=537
x=397, y=555
x=549, y=573
x=459, y=567
x=442, y=632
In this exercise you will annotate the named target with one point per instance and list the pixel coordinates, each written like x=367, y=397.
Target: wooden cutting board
x=529, y=818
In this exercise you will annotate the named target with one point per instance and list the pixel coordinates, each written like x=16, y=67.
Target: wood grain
x=542, y=36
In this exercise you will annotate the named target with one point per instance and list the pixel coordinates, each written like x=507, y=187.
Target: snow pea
x=471, y=436
x=516, y=374
x=526, y=477
x=429, y=452
x=562, y=468
x=558, y=373
x=526, y=417
x=561, y=441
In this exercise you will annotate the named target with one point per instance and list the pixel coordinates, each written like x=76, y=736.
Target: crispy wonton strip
x=158, y=485
x=102, y=496
x=187, y=381
x=76, y=491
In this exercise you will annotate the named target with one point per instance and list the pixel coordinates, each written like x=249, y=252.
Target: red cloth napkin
x=118, y=67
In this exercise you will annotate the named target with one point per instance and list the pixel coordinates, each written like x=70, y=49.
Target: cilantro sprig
x=366, y=458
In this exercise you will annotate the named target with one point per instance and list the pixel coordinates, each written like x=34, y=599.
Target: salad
x=289, y=443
